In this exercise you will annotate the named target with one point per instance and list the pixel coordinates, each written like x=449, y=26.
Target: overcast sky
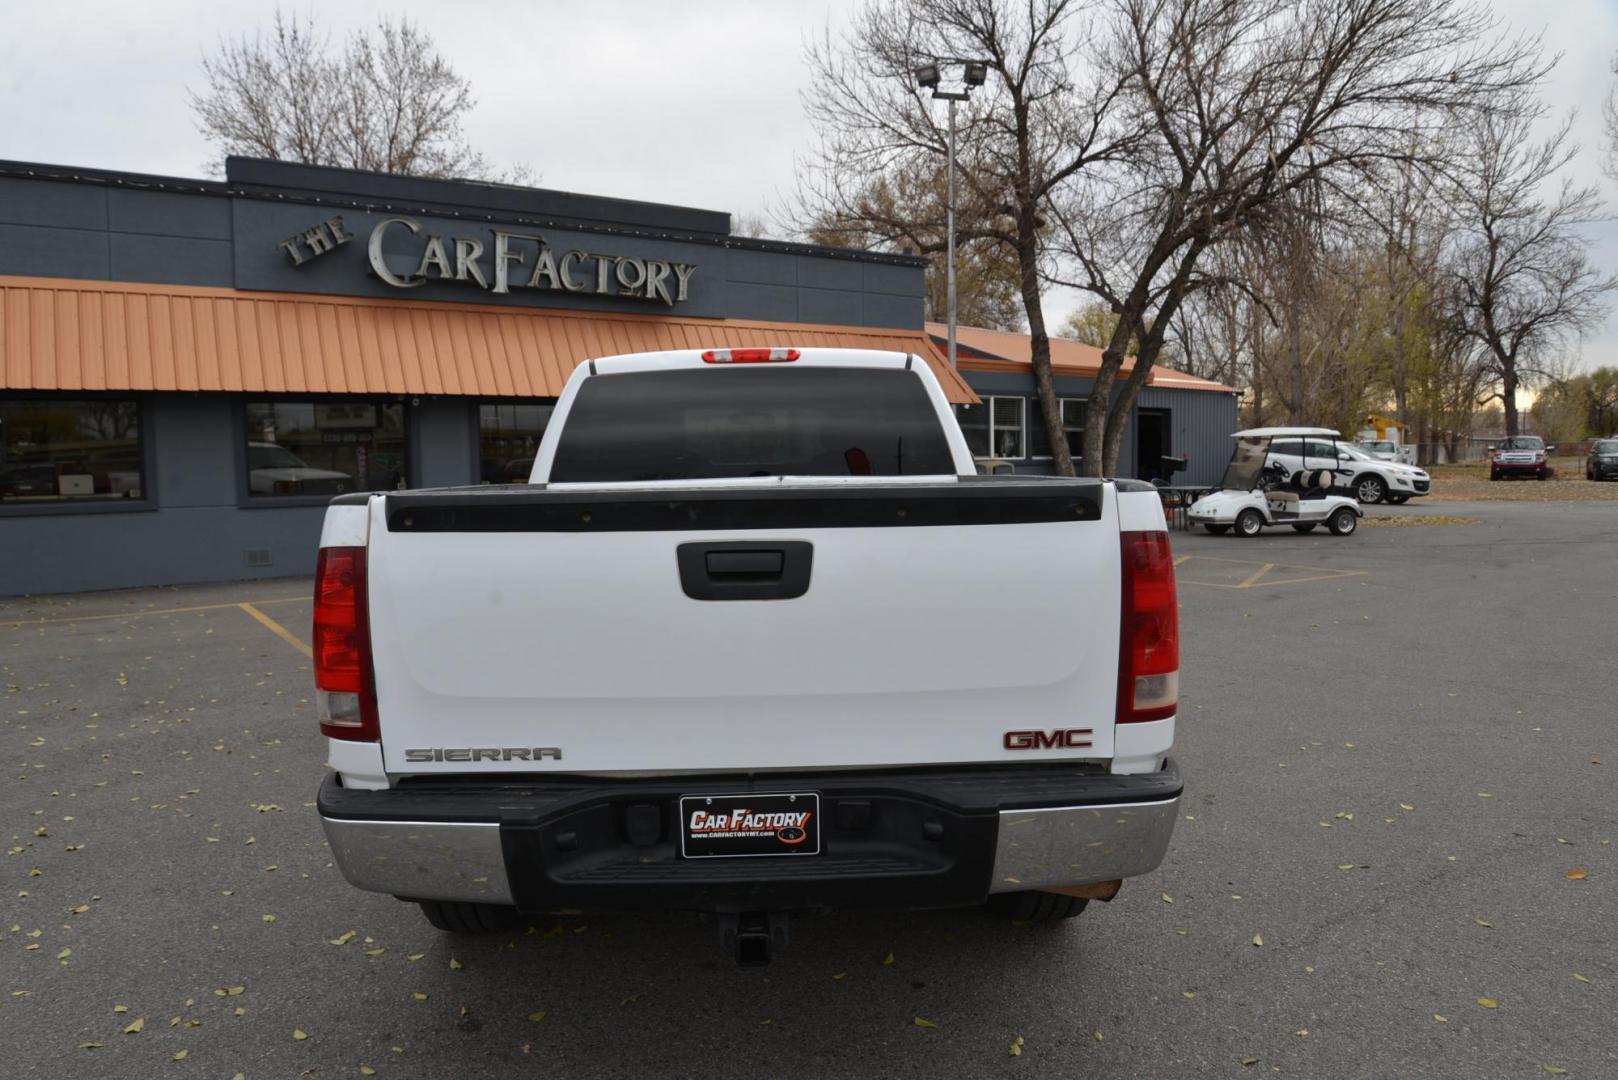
x=693, y=103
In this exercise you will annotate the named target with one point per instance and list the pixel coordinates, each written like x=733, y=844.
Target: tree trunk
x=1039, y=341
x=1295, y=354
x=1508, y=397
x=1097, y=410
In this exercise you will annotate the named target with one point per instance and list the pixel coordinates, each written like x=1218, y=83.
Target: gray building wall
x=1200, y=421
x=196, y=522
x=107, y=226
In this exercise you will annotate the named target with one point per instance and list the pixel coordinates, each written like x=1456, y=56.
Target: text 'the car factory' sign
x=520, y=260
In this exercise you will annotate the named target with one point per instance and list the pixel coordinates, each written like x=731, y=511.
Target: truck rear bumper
x=897, y=839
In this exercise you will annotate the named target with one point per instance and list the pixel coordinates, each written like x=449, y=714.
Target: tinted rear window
x=709, y=423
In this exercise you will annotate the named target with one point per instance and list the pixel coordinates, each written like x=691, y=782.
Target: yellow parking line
x=280, y=631
x=140, y=614
x=1256, y=574
x=1181, y=559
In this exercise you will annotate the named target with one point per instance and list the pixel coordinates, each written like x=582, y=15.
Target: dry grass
x=1469, y=483
x=1407, y=521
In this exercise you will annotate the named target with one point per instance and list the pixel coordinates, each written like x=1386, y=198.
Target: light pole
x=931, y=77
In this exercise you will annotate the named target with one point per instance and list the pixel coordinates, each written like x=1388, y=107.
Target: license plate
x=746, y=825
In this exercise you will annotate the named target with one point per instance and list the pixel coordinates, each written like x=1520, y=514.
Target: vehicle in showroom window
x=1257, y=490
x=705, y=659
x=1354, y=470
x=1521, y=456
x=1602, y=461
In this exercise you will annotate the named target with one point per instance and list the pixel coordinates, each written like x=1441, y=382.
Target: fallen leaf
x=1189, y=995
x=1406, y=806
x=366, y=1070
x=1554, y=1070
x=418, y=995
x=1480, y=922
x=630, y=1000
x=1167, y=899
x=298, y=1035
x=268, y=918
x=91, y=1046
x=921, y=1021
x=1096, y=1035
x=1258, y=939
x=1437, y=1019
x=120, y=1008
x=182, y=1055
x=1563, y=840
x=1301, y=1032
x=343, y=939
x=887, y=961
x=536, y=1017
x=1575, y=874
x=454, y=964
x=413, y=957
x=1345, y=866
x=1484, y=795
x=135, y=1027
x=81, y=909
x=1016, y=1046
x=839, y=976
x=766, y=1022
x=1579, y=977
x=1249, y=1061
x=1489, y=1003
x=1341, y=816
x=375, y=952
x=64, y=954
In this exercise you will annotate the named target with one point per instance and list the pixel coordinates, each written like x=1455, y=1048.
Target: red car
x=1521, y=455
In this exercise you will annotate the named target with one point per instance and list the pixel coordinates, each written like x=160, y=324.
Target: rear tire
x=1039, y=907
x=1343, y=522
x=1310, y=527
x=462, y=917
x=1217, y=530
x=1249, y=523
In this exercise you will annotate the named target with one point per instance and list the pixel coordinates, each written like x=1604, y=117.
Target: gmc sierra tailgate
x=755, y=627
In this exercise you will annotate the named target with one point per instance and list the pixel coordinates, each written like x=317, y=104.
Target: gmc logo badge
x=1071, y=739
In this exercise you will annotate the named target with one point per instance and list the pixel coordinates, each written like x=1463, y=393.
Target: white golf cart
x=1252, y=496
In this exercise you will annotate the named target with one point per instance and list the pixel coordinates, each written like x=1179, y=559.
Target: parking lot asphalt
x=1398, y=857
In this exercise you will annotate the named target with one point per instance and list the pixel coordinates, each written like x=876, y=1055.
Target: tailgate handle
x=745, y=569
x=753, y=564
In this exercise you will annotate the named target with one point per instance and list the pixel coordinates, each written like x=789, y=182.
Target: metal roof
x=978, y=349
x=59, y=334
x=1281, y=432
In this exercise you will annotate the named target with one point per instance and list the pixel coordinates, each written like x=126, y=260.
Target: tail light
x=1149, y=647
x=749, y=356
x=287, y=487
x=344, y=684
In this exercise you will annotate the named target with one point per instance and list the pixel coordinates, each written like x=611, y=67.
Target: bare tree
x=988, y=283
x=1034, y=125
x=1609, y=117
x=386, y=101
x=1242, y=107
x=1524, y=285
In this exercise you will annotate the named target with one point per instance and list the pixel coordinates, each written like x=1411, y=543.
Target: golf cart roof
x=1283, y=432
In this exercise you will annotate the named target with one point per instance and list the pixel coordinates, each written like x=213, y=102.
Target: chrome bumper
x=422, y=860
x=1034, y=848
x=1077, y=845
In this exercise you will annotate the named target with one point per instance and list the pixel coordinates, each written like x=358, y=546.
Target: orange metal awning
x=58, y=334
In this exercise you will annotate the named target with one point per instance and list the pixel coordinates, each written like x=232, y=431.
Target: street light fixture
x=974, y=73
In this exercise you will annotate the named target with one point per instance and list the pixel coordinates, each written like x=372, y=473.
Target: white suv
x=1352, y=469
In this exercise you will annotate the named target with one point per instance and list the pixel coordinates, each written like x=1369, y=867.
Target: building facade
x=1180, y=417
x=190, y=369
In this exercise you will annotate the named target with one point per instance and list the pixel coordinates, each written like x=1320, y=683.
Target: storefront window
x=508, y=438
x=1039, y=439
x=993, y=429
x=56, y=450
x=324, y=448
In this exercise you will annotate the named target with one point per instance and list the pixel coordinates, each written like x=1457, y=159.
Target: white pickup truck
x=755, y=639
